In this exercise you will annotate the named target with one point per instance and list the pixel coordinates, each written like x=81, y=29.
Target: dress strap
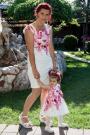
x=29, y=27
x=48, y=28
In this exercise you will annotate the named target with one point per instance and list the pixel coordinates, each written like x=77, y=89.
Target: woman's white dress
x=43, y=59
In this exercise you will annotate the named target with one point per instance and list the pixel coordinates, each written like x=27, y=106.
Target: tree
x=81, y=11
x=23, y=9
x=82, y=8
x=5, y=1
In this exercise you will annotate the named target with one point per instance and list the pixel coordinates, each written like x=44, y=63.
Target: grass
x=76, y=89
x=81, y=54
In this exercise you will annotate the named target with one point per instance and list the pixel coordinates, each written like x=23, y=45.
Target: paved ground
x=13, y=130
x=76, y=58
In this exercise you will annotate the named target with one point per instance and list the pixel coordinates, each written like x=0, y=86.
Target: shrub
x=24, y=9
x=70, y=42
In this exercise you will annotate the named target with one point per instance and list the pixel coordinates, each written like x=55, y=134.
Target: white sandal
x=24, y=124
x=43, y=119
x=63, y=125
x=49, y=129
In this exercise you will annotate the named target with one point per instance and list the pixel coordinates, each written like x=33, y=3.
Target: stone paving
x=39, y=130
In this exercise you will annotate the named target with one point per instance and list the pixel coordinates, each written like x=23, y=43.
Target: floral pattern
x=41, y=37
x=53, y=97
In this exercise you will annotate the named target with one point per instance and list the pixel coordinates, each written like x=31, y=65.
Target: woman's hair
x=43, y=5
x=55, y=74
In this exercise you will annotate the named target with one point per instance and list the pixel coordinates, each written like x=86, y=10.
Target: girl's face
x=53, y=81
x=43, y=15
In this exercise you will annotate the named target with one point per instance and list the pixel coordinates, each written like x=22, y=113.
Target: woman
x=41, y=57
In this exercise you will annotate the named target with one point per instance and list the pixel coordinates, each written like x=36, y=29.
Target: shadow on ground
x=24, y=131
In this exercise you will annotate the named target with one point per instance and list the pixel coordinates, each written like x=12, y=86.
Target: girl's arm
x=29, y=39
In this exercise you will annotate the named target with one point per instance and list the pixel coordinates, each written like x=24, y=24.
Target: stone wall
x=14, y=78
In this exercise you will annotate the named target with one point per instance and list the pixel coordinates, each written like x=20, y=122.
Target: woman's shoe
x=24, y=124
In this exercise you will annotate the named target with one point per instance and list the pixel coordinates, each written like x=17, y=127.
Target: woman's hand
x=36, y=74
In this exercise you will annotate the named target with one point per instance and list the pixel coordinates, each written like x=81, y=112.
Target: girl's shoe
x=63, y=125
x=49, y=129
x=43, y=119
x=25, y=124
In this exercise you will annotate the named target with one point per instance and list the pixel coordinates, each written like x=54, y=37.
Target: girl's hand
x=36, y=74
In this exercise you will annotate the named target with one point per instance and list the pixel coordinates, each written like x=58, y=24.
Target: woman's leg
x=29, y=102
x=44, y=93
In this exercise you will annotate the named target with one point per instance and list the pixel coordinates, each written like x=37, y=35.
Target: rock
x=21, y=82
x=10, y=70
x=61, y=63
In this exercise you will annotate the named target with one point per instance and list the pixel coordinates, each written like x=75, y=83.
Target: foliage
x=81, y=9
x=81, y=54
x=70, y=42
x=23, y=9
x=5, y=1
x=75, y=22
x=13, y=6
x=61, y=10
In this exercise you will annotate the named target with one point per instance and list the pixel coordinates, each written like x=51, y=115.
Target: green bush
x=24, y=11
x=70, y=42
x=25, y=8
x=11, y=8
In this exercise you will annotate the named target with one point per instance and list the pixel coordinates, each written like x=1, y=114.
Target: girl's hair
x=55, y=74
x=43, y=5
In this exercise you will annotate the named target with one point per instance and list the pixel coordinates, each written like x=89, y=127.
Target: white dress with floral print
x=43, y=59
x=55, y=104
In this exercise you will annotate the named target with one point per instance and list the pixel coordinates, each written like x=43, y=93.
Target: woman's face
x=43, y=15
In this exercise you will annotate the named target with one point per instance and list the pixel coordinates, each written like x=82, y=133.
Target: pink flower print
x=39, y=34
x=39, y=46
x=46, y=32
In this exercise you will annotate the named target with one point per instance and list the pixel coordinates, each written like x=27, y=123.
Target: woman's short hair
x=43, y=5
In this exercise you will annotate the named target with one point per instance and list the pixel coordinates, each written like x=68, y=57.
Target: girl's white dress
x=55, y=104
x=43, y=59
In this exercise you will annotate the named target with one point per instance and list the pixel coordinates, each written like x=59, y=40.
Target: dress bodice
x=41, y=37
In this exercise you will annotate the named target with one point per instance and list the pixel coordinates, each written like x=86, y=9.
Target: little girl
x=54, y=105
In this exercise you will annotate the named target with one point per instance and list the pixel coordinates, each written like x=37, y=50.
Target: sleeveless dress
x=55, y=104
x=43, y=59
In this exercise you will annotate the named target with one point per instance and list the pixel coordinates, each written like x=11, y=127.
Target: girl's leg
x=29, y=102
x=60, y=122
x=48, y=127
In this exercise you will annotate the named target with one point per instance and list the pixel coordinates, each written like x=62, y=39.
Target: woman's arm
x=51, y=49
x=29, y=39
